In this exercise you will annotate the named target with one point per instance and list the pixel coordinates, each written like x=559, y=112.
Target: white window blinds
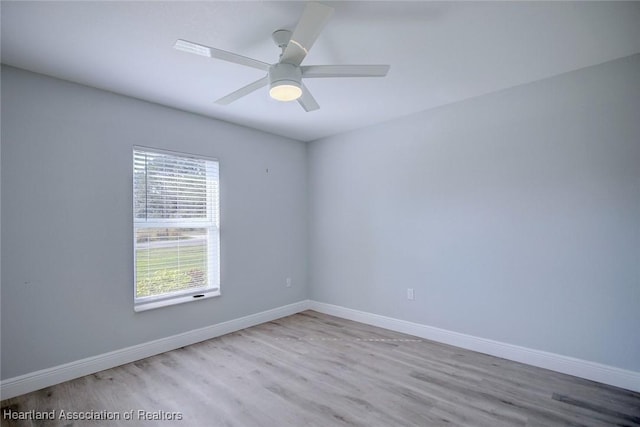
x=176, y=225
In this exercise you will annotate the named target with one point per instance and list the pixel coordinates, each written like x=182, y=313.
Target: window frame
x=212, y=225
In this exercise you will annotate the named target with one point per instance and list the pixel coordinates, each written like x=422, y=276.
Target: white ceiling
x=439, y=52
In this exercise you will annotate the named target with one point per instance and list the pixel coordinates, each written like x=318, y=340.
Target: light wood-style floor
x=311, y=369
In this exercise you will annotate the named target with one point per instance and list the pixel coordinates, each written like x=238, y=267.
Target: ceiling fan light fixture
x=285, y=82
x=285, y=90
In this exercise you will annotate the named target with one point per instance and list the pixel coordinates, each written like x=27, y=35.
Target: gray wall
x=67, y=276
x=515, y=216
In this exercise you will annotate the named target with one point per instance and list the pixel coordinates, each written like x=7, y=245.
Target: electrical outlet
x=288, y=282
x=410, y=294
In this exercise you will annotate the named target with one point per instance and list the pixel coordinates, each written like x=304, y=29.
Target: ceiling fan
x=285, y=76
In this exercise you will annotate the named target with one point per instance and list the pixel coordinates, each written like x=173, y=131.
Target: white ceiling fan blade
x=311, y=71
x=313, y=20
x=243, y=91
x=307, y=101
x=212, y=52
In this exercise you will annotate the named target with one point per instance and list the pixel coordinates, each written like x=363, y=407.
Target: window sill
x=150, y=305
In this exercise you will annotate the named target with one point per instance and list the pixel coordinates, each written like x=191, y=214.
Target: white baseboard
x=610, y=375
x=47, y=377
x=580, y=368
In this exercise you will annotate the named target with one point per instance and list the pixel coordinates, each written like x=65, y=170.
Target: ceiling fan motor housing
x=283, y=73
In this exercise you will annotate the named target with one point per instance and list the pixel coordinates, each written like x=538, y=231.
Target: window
x=176, y=222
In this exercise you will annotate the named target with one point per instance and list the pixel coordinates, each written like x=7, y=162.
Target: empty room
x=332, y=213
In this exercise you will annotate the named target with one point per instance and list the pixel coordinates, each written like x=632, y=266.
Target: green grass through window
x=170, y=269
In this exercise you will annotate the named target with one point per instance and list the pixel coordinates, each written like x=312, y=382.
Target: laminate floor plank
x=312, y=369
